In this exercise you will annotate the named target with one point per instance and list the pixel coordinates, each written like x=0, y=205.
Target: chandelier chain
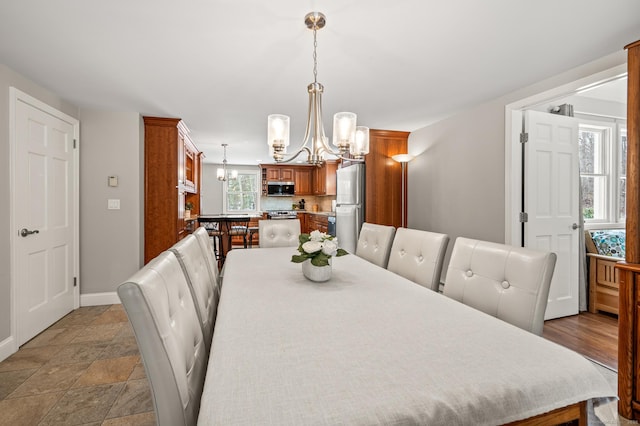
x=315, y=56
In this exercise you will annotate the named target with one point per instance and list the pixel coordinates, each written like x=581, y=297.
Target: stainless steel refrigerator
x=349, y=205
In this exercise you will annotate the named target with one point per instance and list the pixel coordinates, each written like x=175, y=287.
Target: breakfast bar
x=370, y=347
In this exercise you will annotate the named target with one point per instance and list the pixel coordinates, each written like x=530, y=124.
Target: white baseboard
x=95, y=299
x=7, y=348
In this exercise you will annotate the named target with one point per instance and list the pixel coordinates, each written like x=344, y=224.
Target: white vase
x=316, y=273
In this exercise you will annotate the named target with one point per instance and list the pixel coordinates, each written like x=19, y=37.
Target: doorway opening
x=599, y=105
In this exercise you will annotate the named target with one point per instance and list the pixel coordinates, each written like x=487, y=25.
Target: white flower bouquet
x=317, y=247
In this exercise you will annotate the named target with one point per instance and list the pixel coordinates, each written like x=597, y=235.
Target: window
x=241, y=194
x=603, y=156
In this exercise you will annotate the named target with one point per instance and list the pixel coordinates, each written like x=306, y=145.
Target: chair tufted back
x=279, y=232
x=202, y=283
x=374, y=243
x=510, y=283
x=202, y=235
x=418, y=256
x=161, y=310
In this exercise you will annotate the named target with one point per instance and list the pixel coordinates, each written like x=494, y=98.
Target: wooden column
x=628, y=345
x=633, y=153
x=383, y=192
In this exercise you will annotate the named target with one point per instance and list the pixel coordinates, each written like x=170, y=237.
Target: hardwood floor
x=593, y=335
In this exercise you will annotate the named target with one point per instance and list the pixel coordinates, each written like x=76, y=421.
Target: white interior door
x=44, y=194
x=552, y=203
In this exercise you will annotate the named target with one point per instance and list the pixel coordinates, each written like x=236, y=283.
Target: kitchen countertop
x=318, y=213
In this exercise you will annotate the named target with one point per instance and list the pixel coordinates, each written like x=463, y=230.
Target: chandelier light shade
x=315, y=143
x=361, y=146
x=278, y=134
x=222, y=173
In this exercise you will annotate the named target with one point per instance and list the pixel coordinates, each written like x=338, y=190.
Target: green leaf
x=320, y=259
x=341, y=252
x=298, y=258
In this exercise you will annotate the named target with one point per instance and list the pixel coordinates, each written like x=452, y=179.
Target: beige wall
x=456, y=184
x=10, y=78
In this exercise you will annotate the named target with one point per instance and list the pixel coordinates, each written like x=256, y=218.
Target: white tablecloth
x=369, y=347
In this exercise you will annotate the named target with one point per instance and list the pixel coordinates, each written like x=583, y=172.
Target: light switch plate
x=113, y=180
x=113, y=204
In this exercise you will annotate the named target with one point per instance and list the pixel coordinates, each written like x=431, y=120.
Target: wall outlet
x=113, y=204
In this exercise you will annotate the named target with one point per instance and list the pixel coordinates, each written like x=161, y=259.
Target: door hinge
x=75, y=281
x=524, y=137
x=524, y=217
x=74, y=143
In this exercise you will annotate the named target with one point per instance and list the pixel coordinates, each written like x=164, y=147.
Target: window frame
x=612, y=133
x=225, y=192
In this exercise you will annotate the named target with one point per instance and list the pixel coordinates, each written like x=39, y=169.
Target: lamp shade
x=220, y=174
x=278, y=131
x=402, y=158
x=344, y=130
x=361, y=145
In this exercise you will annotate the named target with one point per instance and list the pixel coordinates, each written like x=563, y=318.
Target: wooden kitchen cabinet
x=278, y=173
x=318, y=222
x=302, y=176
x=171, y=178
x=324, y=178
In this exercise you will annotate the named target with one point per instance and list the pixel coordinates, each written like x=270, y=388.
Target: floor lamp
x=403, y=159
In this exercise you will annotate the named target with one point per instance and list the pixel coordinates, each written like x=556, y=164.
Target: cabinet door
x=319, y=180
x=286, y=175
x=190, y=168
x=330, y=168
x=302, y=179
x=273, y=173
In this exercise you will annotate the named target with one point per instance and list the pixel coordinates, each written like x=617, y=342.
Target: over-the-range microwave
x=280, y=189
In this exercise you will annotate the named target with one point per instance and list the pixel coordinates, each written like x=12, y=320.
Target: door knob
x=575, y=226
x=25, y=232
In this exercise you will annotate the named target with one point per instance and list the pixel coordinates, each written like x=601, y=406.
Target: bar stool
x=252, y=230
x=238, y=228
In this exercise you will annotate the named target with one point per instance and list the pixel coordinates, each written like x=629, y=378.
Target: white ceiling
x=224, y=65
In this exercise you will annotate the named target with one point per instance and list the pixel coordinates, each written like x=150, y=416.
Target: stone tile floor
x=83, y=370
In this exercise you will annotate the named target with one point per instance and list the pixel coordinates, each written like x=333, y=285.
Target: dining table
x=369, y=347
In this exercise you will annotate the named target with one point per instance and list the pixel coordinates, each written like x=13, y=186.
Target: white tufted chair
x=202, y=283
x=510, y=283
x=374, y=243
x=202, y=235
x=279, y=232
x=163, y=315
x=418, y=256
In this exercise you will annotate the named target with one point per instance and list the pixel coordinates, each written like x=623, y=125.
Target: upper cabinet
x=191, y=165
x=302, y=177
x=280, y=173
x=308, y=180
x=324, y=178
x=171, y=179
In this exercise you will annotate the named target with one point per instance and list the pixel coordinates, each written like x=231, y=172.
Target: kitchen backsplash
x=285, y=203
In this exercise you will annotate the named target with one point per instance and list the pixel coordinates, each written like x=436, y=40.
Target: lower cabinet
x=317, y=222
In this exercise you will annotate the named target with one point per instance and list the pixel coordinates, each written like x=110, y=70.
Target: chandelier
x=222, y=173
x=351, y=141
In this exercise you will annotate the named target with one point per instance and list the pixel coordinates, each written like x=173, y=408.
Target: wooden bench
x=604, y=279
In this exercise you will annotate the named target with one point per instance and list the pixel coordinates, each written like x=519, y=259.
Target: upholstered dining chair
x=374, y=243
x=202, y=235
x=279, y=232
x=418, y=256
x=159, y=305
x=510, y=283
x=203, y=284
